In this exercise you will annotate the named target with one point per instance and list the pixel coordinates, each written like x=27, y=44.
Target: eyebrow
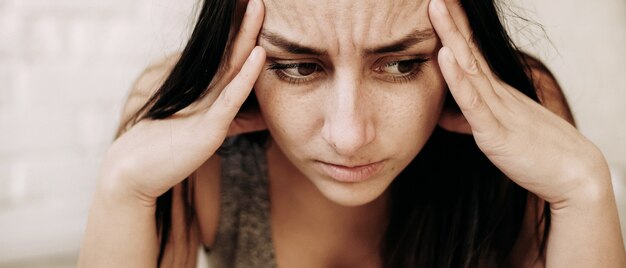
x=402, y=44
x=412, y=39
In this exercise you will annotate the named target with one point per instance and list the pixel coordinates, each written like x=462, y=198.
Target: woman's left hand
x=532, y=146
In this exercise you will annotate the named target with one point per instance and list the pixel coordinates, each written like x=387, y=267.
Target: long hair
x=449, y=208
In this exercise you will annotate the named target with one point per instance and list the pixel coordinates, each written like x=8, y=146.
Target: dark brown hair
x=449, y=208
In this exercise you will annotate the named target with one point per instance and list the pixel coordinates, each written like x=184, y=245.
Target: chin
x=353, y=194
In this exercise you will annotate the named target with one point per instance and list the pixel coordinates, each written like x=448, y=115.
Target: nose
x=348, y=124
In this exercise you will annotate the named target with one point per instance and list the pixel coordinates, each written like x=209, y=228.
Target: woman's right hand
x=155, y=155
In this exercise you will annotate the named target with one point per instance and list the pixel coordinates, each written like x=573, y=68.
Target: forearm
x=121, y=232
x=586, y=232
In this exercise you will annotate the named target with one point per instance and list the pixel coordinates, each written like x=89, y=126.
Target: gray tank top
x=244, y=237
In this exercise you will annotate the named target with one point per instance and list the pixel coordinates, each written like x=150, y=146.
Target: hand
x=529, y=144
x=155, y=155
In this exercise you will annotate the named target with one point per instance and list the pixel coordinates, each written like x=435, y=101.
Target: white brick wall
x=66, y=66
x=65, y=69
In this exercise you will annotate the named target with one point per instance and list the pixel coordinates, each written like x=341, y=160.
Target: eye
x=401, y=70
x=296, y=72
x=401, y=67
x=302, y=69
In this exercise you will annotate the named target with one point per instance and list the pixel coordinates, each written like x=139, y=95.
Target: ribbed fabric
x=244, y=238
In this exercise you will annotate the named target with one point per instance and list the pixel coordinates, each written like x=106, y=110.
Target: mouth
x=352, y=173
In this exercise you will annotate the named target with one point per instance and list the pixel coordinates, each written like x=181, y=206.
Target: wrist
x=115, y=191
x=590, y=192
x=585, y=228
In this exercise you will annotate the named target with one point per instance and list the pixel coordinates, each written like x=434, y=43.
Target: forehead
x=345, y=23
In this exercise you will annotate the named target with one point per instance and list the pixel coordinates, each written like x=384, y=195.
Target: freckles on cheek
x=419, y=110
x=293, y=117
x=432, y=94
x=280, y=117
x=290, y=112
x=287, y=117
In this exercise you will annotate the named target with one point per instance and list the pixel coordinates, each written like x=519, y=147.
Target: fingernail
x=251, y=6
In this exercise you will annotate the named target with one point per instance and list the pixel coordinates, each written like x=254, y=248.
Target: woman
x=399, y=134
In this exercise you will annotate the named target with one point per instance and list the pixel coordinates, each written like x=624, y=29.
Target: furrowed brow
x=405, y=43
x=290, y=46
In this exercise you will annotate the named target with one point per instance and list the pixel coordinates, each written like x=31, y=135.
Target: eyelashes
x=403, y=71
x=395, y=71
x=296, y=73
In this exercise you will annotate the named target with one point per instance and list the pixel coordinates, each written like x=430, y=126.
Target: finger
x=240, y=9
x=451, y=23
x=245, y=40
x=451, y=37
x=472, y=104
x=460, y=18
x=228, y=103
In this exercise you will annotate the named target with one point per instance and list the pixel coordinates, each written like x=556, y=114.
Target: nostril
x=347, y=128
x=347, y=139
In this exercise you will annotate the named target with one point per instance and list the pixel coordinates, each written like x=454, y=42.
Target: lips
x=357, y=173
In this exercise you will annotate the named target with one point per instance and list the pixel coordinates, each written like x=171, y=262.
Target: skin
x=351, y=112
x=329, y=120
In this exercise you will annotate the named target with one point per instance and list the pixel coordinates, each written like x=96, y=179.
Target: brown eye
x=406, y=66
x=402, y=67
x=297, y=73
x=302, y=69
x=401, y=71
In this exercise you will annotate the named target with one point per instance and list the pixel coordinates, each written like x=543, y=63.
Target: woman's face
x=351, y=90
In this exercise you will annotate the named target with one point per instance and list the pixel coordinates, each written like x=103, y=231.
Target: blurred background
x=67, y=65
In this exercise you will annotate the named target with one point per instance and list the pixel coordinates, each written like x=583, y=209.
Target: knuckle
x=475, y=102
x=244, y=30
x=458, y=79
x=247, y=33
x=469, y=38
x=230, y=69
x=228, y=101
x=472, y=44
x=252, y=39
x=472, y=66
x=454, y=31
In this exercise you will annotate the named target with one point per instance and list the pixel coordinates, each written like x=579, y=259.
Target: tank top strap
x=244, y=232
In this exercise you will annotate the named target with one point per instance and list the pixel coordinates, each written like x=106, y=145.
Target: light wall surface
x=65, y=69
x=67, y=65
x=584, y=44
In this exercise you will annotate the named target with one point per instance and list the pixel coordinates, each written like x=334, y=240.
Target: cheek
x=284, y=112
x=432, y=97
x=417, y=104
x=411, y=114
